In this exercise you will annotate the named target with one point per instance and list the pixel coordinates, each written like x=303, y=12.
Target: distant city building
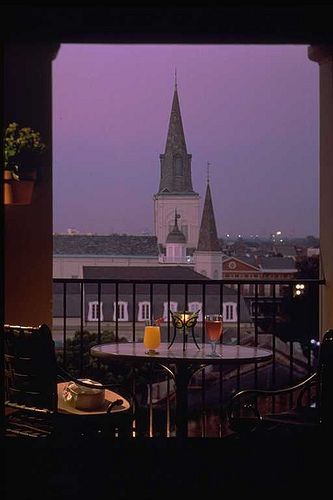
x=286, y=251
x=118, y=303
x=259, y=268
x=313, y=252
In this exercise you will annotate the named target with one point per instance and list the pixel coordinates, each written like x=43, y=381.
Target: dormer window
x=122, y=311
x=144, y=311
x=95, y=309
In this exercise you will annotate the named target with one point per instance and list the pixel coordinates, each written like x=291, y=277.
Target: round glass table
x=181, y=364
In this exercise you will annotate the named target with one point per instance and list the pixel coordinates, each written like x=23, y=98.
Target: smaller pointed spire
x=176, y=79
x=208, y=240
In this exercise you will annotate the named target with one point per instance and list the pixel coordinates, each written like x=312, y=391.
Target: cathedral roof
x=208, y=240
x=176, y=236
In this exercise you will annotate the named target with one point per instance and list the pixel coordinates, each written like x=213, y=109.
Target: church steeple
x=175, y=162
x=175, y=188
x=208, y=255
x=208, y=240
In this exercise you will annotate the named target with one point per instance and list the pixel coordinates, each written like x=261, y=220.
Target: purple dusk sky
x=250, y=110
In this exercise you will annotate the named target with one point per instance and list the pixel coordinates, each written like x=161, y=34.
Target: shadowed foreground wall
x=28, y=228
x=323, y=55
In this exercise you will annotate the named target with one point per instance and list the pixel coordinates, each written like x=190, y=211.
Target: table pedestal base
x=182, y=374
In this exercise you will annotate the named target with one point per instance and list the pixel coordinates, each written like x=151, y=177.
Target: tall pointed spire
x=175, y=162
x=176, y=138
x=208, y=240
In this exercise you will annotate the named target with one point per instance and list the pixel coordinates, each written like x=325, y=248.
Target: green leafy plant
x=79, y=362
x=23, y=147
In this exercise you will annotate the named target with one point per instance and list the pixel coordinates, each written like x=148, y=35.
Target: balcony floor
x=277, y=463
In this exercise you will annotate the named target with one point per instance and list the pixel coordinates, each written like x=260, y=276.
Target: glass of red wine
x=214, y=331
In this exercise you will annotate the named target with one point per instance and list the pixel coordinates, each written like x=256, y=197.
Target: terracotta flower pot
x=18, y=192
x=7, y=188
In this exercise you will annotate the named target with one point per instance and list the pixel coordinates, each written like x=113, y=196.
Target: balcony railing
x=283, y=317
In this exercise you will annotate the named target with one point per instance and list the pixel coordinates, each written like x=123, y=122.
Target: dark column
x=28, y=244
x=323, y=55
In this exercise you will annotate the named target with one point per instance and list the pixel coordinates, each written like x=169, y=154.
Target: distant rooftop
x=142, y=272
x=277, y=263
x=113, y=244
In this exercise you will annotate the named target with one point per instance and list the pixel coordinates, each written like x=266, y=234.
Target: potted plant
x=23, y=148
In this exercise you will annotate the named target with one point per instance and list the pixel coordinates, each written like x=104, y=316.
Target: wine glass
x=152, y=337
x=214, y=328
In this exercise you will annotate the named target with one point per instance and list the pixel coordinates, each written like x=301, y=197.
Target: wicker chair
x=34, y=387
x=310, y=402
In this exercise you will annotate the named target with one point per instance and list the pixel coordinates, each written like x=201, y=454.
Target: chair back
x=30, y=367
x=325, y=380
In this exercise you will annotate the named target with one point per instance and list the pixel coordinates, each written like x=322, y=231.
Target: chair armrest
x=267, y=392
x=255, y=393
x=34, y=409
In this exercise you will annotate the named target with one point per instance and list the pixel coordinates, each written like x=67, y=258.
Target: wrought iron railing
x=279, y=315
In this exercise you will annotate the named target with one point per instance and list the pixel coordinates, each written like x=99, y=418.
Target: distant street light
x=299, y=289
